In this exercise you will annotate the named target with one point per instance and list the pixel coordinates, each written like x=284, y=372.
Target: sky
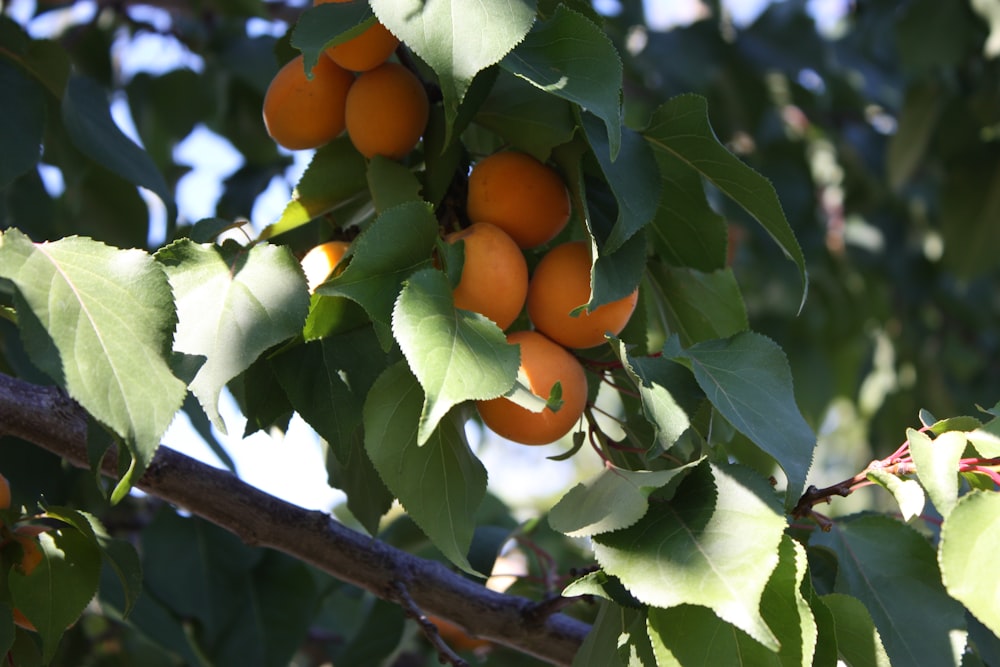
x=291, y=465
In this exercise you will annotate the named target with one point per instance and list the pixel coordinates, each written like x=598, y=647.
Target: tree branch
x=49, y=418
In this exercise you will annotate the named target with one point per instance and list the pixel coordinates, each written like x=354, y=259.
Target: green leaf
x=747, y=379
x=55, y=594
x=398, y=243
x=233, y=303
x=22, y=106
x=441, y=483
x=652, y=376
x=970, y=540
x=692, y=635
x=391, y=183
x=98, y=320
x=571, y=57
x=686, y=231
x=699, y=306
x=891, y=568
x=457, y=39
x=785, y=608
x=119, y=554
x=87, y=117
x=526, y=117
x=681, y=128
x=456, y=355
x=858, y=640
x=715, y=544
x=328, y=24
x=633, y=178
x=334, y=178
x=937, y=465
x=600, y=646
x=617, y=274
x=615, y=499
x=907, y=492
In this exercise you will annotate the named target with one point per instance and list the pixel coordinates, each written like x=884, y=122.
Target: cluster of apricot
x=25, y=537
x=517, y=203
x=382, y=105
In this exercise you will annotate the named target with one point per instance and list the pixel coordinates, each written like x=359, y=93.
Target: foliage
x=824, y=268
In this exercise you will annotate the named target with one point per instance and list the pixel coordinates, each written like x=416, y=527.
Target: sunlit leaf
x=937, y=465
x=970, y=541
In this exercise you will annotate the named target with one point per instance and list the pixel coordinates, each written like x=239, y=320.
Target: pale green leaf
x=571, y=57
x=937, y=465
x=891, y=568
x=613, y=500
x=970, y=541
x=858, y=641
x=233, y=303
x=907, y=492
x=458, y=39
x=456, y=355
x=98, y=320
x=681, y=127
x=715, y=544
x=398, y=243
x=87, y=117
x=439, y=484
x=747, y=379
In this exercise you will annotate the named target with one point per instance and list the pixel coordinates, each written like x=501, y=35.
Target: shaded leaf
x=456, y=355
x=441, y=483
x=699, y=306
x=681, y=127
x=571, y=57
x=22, y=106
x=858, y=640
x=892, y=569
x=98, y=320
x=328, y=24
x=652, y=376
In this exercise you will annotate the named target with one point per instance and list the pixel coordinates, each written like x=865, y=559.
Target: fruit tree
x=728, y=268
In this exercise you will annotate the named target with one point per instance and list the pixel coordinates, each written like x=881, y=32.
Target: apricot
x=561, y=284
x=369, y=49
x=5, y=486
x=301, y=113
x=456, y=637
x=386, y=111
x=520, y=195
x=494, y=278
x=543, y=363
x=321, y=260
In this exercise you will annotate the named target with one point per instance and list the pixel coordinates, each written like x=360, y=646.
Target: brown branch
x=47, y=417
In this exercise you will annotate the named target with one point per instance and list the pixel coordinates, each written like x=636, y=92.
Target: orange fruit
x=560, y=284
x=31, y=552
x=302, y=113
x=494, y=278
x=456, y=637
x=321, y=260
x=369, y=49
x=543, y=363
x=22, y=621
x=5, y=487
x=520, y=195
x=386, y=111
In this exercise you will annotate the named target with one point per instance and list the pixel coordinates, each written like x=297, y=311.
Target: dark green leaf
x=699, y=306
x=572, y=58
x=747, y=379
x=892, y=569
x=22, y=106
x=858, y=640
x=328, y=24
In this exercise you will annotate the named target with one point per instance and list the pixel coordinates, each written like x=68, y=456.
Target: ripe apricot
x=366, y=51
x=5, y=487
x=520, y=195
x=560, y=284
x=456, y=637
x=494, y=278
x=543, y=363
x=386, y=111
x=321, y=260
x=301, y=113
